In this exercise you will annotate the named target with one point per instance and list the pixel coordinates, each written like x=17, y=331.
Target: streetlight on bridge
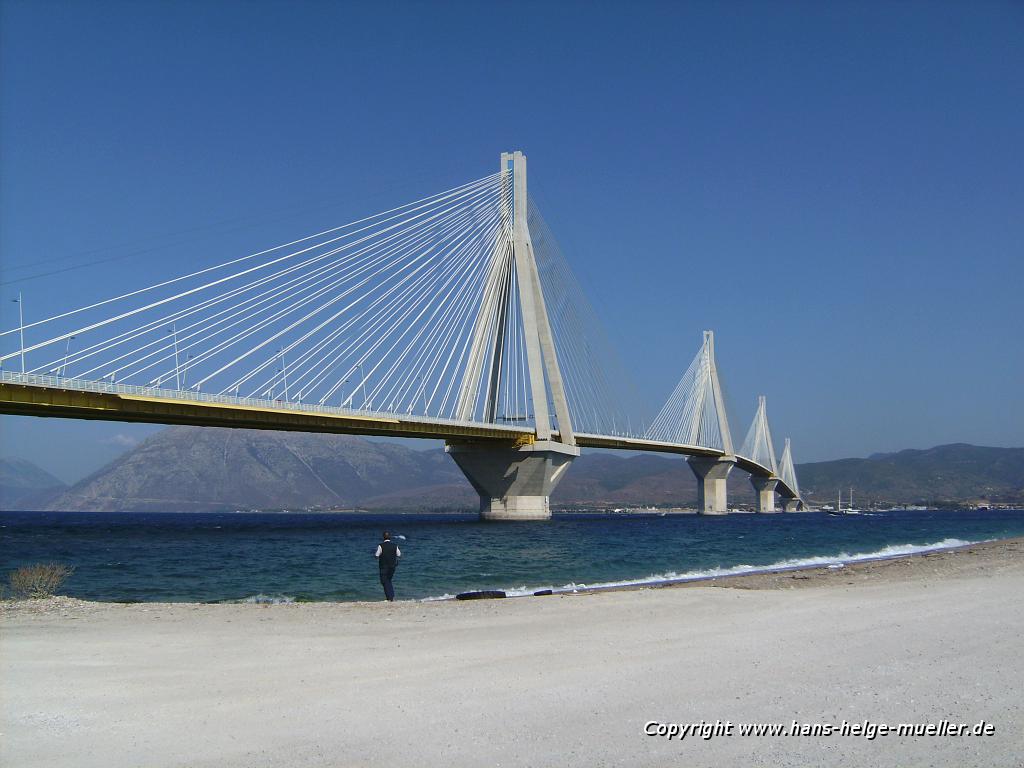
x=67, y=351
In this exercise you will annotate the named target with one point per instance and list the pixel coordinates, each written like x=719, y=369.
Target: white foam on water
x=431, y=599
x=831, y=561
x=262, y=599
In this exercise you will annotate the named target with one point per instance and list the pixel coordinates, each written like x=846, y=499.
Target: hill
x=206, y=469
x=942, y=475
x=23, y=485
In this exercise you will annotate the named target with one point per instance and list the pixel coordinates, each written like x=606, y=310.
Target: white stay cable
x=169, y=299
x=485, y=179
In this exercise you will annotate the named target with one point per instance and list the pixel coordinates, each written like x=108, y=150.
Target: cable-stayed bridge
x=454, y=317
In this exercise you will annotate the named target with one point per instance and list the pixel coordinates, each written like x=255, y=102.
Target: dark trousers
x=386, y=575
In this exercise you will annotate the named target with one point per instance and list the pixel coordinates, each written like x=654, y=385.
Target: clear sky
x=836, y=188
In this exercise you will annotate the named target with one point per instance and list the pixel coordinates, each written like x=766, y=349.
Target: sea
x=288, y=557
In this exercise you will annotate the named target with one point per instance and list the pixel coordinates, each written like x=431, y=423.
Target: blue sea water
x=244, y=556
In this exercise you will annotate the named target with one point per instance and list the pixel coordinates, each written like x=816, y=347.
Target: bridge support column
x=514, y=483
x=711, y=474
x=789, y=502
x=764, y=489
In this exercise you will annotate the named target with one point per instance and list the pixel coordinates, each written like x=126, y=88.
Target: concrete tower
x=515, y=481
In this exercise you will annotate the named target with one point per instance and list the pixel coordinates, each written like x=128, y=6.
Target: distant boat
x=850, y=510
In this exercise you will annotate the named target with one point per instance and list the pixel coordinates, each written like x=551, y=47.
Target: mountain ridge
x=212, y=469
x=25, y=484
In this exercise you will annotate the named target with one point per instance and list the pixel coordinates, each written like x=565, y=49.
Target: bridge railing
x=113, y=388
x=108, y=387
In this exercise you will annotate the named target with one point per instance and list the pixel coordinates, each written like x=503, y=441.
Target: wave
x=262, y=599
x=672, y=577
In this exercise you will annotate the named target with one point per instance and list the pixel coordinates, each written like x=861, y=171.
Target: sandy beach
x=560, y=680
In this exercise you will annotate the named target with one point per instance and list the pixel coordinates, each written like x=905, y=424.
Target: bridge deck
x=31, y=395
x=34, y=395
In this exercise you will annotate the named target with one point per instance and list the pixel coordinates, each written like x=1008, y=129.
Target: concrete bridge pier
x=790, y=503
x=514, y=483
x=712, y=474
x=764, y=490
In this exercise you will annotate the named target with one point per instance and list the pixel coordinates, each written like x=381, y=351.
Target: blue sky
x=836, y=188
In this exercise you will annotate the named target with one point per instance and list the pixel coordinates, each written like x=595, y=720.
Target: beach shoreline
x=862, y=568
x=959, y=559
x=567, y=679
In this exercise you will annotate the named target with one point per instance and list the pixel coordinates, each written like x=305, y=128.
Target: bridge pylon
x=789, y=490
x=758, y=447
x=712, y=473
x=515, y=482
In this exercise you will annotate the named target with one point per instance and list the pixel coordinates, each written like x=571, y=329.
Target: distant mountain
x=23, y=485
x=208, y=469
x=204, y=469
x=944, y=474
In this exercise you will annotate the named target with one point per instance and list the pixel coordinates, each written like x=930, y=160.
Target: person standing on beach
x=387, y=555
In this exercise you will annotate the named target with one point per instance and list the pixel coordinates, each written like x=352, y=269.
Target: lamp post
x=362, y=383
x=21, y=327
x=284, y=373
x=67, y=351
x=177, y=371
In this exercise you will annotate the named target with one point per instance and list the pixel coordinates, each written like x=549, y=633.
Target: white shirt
x=398, y=552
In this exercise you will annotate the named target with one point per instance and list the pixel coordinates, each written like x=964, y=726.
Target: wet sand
x=559, y=680
x=985, y=559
